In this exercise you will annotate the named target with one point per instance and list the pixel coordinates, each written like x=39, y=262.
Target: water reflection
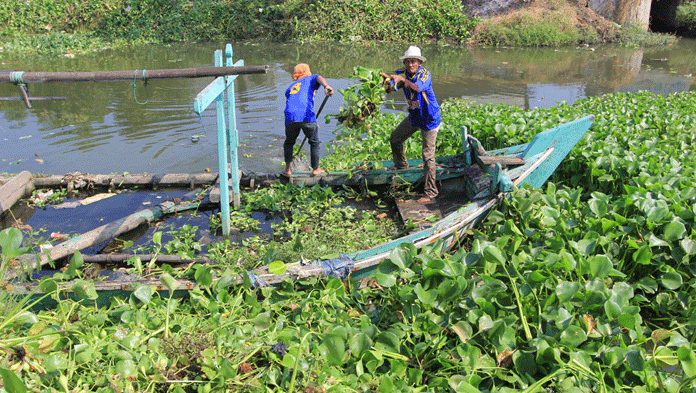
x=105, y=127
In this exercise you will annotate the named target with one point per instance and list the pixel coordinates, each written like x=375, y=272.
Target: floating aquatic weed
x=547, y=263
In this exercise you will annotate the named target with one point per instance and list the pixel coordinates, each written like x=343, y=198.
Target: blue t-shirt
x=423, y=109
x=299, y=104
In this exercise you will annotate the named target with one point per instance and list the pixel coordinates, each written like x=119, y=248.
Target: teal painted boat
x=471, y=184
x=483, y=181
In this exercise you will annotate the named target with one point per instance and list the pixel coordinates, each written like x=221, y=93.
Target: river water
x=116, y=127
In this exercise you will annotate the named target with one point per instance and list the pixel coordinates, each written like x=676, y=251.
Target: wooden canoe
x=470, y=188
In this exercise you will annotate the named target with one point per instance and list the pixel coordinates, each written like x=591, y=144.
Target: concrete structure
x=624, y=12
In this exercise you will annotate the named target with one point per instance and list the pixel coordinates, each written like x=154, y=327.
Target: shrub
x=390, y=20
x=686, y=15
x=19, y=18
x=635, y=36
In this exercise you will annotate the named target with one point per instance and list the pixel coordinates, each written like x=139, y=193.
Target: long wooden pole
x=99, y=76
x=117, y=258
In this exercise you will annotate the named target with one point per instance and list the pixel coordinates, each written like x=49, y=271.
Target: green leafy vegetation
x=634, y=36
x=11, y=246
x=585, y=285
x=373, y=20
x=305, y=222
x=41, y=198
x=51, y=27
x=70, y=27
x=686, y=14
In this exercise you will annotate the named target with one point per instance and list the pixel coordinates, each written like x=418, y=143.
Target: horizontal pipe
x=32, y=98
x=188, y=180
x=109, y=76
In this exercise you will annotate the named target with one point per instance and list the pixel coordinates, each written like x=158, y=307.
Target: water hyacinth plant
x=362, y=100
x=584, y=285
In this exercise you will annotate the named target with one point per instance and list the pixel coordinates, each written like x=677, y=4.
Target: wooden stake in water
x=227, y=136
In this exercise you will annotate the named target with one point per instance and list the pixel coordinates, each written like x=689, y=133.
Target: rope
x=256, y=282
x=338, y=267
x=147, y=95
x=16, y=77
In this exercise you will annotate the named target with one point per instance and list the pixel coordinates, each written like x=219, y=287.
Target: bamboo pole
x=167, y=180
x=85, y=180
x=117, y=258
x=32, y=98
x=106, y=76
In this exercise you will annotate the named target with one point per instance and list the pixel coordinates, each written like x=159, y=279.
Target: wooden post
x=232, y=133
x=216, y=91
x=466, y=147
x=25, y=95
x=15, y=189
x=222, y=154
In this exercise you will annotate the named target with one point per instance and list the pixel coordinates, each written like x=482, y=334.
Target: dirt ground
x=571, y=12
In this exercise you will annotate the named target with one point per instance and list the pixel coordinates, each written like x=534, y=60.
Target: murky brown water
x=107, y=127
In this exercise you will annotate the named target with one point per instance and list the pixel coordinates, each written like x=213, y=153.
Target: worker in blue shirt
x=299, y=114
x=423, y=115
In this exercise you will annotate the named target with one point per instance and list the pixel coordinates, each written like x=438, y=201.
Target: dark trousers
x=311, y=131
x=404, y=131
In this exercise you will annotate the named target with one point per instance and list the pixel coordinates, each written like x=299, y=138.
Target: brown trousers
x=404, y=131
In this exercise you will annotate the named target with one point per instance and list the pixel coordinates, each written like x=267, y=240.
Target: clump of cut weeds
x=363, y=100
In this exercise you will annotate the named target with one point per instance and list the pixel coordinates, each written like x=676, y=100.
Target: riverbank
x=71, y=28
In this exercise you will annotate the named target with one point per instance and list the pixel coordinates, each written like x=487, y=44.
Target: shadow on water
x=187, y=233
x=56, y=223
x=69, y=218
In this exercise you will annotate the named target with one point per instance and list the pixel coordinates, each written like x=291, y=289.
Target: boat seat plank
x=502, y=160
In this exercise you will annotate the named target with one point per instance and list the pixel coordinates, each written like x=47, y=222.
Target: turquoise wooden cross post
x=228, y=139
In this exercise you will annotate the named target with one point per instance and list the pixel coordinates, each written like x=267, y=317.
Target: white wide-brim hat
x=413, y=52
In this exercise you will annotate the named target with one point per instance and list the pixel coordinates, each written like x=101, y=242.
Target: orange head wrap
x=301, y=70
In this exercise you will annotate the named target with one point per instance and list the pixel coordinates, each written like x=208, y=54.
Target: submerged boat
x=471, y=184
